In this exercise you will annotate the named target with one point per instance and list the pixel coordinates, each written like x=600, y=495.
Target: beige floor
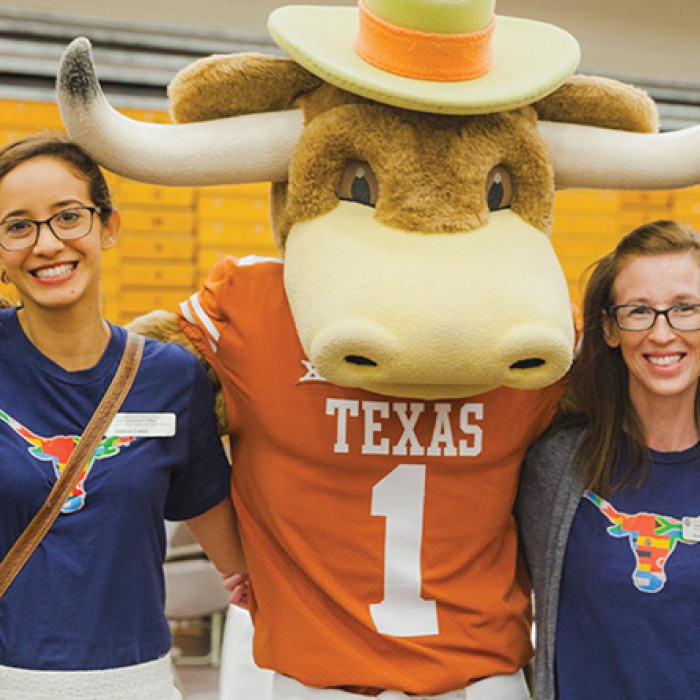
x=198, y=682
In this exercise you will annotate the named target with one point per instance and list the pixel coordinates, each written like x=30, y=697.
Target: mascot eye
x=358, y=183
x=499, y=189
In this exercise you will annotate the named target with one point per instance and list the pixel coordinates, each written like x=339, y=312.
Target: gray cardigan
x=547, y=501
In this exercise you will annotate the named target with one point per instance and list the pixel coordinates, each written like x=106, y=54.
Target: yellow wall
x=171, y=236
x=589, y=223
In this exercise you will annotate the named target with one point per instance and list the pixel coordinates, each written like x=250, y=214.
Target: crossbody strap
x=41, y=523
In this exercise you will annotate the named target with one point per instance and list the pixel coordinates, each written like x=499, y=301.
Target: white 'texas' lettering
x=442, y=439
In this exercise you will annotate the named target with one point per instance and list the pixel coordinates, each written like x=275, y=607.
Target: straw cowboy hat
x=444, y=56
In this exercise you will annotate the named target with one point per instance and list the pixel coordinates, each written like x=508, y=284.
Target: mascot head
x=414, y=149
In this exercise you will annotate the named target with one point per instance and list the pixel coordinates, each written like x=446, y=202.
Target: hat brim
x=530, y=60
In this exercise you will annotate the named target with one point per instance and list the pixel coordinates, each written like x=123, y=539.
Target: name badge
x=691, y=528
x=143, y=425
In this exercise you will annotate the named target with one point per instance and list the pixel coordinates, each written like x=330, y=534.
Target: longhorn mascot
x=384, y=377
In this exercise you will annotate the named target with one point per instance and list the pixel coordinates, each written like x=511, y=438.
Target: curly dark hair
x=57, y=145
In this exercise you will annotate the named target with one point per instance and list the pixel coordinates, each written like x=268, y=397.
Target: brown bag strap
x=41, y=523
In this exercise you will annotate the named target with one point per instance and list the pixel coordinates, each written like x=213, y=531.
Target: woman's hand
x=237, y=586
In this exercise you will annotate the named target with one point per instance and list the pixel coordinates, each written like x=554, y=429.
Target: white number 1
x=399, y=497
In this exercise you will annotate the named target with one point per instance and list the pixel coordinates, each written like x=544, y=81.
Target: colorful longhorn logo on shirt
x=652, y=539
x=58, y=450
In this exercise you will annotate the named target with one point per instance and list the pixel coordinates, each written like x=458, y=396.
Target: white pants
x=152, y=681
x=511, y=687
x=240, y=678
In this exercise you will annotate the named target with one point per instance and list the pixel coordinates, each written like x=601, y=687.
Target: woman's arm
x=217, y=531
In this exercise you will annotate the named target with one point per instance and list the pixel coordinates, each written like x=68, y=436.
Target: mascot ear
x=600, y=102
x=164, y=326
x=222, y=86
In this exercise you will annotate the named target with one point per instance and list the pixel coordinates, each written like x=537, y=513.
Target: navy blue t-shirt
x=629, y=610
x=92, y=594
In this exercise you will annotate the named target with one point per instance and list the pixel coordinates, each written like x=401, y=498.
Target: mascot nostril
x=530, y=363
x=360, y=361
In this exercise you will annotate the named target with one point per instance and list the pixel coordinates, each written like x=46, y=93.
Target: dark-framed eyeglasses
x=642, y=317
x=67, y=225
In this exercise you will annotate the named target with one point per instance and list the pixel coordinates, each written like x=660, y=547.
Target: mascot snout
x=358, y=297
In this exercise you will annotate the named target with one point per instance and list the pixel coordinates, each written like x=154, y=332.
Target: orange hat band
x=420, y=55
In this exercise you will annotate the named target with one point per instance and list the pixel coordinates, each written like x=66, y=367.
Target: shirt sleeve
x=203, y=479
x=202, y=316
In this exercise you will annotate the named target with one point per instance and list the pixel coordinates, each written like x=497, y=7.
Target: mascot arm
x=164, y=326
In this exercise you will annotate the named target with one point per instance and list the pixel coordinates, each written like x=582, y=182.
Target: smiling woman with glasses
x=609, y=506
x=84, y=618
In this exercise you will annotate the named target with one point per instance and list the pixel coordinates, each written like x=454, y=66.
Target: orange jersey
x=378, y=531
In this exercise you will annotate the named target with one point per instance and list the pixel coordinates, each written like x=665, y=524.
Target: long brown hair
x=598, y=394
